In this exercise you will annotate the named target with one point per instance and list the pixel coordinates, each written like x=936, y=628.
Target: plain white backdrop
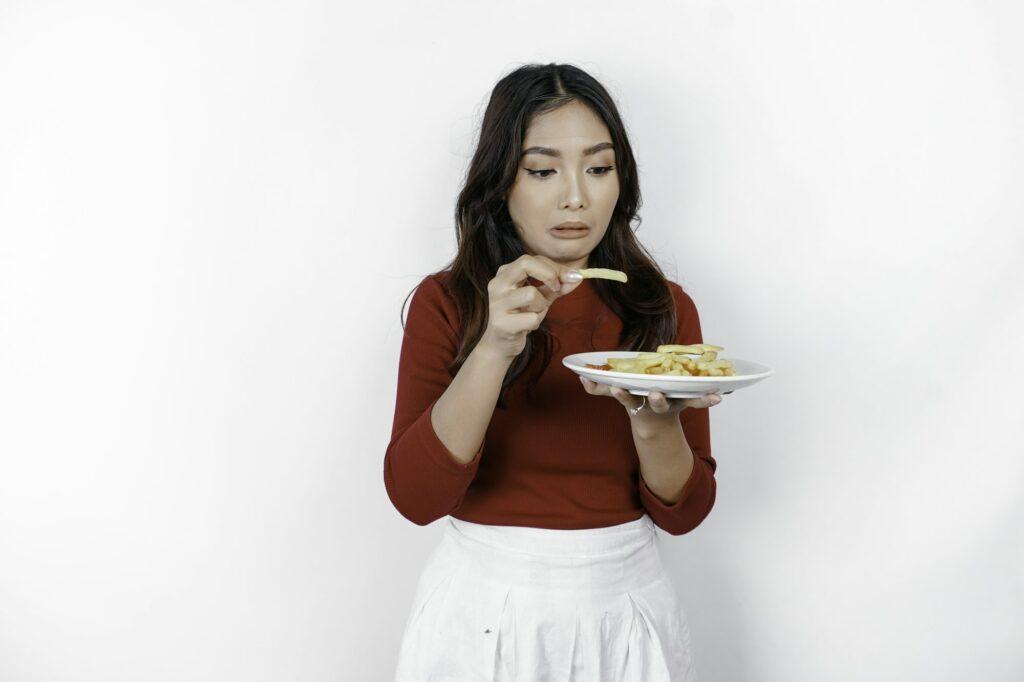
x=211, y=214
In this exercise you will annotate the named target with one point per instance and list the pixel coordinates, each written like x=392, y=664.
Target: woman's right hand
x=516, y=307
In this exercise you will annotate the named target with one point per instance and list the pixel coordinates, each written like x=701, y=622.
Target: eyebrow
x=548, y=151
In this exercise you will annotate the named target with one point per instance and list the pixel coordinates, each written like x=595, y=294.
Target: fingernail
x=573, y=276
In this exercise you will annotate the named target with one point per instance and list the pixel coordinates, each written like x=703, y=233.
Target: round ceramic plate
x=747, y=374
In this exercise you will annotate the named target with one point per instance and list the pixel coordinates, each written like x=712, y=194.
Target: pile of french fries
x=674, y=360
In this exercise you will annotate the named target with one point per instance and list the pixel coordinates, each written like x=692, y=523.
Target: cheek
x=609, y=196
x=528, y=205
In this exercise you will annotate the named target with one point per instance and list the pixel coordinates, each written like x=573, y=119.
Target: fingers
x=525, y=299
x=622, y=395
x=514, y=274
x=659, y=404
x=594, y=388
x=544, y=271
x=510, y=296
x=709, y=400
x=656, y=400
x=625, y=398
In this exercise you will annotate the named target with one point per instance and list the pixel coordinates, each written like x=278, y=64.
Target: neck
x=579, y=264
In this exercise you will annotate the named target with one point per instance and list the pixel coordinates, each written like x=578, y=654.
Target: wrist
x=648, y=425
x=490, y=357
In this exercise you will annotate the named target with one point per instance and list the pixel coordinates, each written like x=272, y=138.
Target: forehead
x=571, y=127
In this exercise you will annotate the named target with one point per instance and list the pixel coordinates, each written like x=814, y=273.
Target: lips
x=570, y=232
x=570, y=229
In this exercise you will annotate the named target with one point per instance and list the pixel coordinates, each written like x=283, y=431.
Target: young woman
x=550, y=490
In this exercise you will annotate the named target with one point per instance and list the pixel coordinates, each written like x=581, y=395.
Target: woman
x=550, y=491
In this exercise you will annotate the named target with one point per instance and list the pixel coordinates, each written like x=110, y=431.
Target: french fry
x=693, y=348
x=642, y=363
x=625, y=366
x=673, y=348
x=604, y=273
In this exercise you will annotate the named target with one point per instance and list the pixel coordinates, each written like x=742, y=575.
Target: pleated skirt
x=510, y=603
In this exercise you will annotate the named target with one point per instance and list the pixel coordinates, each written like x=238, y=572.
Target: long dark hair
x=487, y=239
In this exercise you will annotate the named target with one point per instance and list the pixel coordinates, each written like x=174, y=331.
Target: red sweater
x=566, y=461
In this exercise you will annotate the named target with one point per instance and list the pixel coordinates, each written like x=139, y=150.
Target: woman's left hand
x=657, y=406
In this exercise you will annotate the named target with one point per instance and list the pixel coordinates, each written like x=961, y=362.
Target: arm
x=677, y=481
x=677, y=471
x=461, y=415
x=440, y=421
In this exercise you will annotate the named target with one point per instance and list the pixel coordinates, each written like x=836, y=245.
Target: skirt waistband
x=583, y=542
x=592, y=559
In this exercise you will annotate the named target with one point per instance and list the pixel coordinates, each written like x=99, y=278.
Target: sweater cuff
x=440, y=455
x=696, y=481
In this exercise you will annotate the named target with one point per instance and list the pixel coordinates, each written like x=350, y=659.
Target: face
x=567, y=173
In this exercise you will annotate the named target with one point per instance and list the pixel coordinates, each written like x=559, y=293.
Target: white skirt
x=510, y=603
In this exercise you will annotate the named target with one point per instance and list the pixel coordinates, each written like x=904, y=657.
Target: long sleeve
x=698, y=494
x=424, y=481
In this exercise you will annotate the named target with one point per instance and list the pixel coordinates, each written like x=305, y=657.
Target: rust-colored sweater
x=566, y=461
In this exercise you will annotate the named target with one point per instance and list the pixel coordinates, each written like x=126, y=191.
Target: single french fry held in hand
x=603, y=273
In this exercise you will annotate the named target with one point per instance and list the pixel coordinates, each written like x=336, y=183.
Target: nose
x=574, y=197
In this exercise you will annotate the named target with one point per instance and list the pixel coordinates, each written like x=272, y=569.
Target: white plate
x=747, y=374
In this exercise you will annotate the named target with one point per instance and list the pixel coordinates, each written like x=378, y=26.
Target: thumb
x=568, y=281
x=568, y=287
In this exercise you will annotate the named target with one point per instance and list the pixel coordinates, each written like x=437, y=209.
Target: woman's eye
x=545, y=172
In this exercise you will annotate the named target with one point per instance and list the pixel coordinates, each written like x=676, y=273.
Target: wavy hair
x=486, y=237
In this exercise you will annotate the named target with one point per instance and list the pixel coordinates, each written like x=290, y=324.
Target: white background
x=211, y=215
